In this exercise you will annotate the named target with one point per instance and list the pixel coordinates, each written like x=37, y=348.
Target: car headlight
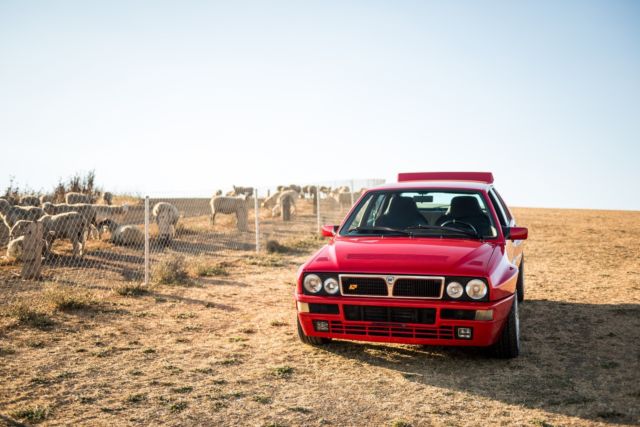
x=331, y=286
x=455, y=290
x=312, y=283
x=476, y=289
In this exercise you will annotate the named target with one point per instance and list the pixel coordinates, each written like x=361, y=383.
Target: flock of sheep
x=238, y=201
x=81, y=217
x=76, y=220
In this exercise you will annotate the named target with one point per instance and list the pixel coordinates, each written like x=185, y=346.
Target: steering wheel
x=456, y=222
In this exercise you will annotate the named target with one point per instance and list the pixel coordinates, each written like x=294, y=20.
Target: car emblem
x=353, y=287
x=390, y=279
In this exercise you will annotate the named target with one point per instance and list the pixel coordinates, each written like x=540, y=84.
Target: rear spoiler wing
x=486, y=177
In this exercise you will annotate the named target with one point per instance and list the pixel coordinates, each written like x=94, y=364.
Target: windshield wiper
x=441, y=228
x=383, y=229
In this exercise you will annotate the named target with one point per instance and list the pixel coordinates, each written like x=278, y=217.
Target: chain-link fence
x=127, y=239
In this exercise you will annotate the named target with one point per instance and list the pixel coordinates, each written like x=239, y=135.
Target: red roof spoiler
x=446, y=176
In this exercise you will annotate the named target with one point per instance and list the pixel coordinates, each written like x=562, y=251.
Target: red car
x=435, y=259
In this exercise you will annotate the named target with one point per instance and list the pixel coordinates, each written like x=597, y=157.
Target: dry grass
x=172, y=270
x=225, y=352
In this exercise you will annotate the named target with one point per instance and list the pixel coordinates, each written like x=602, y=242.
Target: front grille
x=400, y=331
x=421, y=288
x=389, y=314
x=363, y=286
x=392, y=286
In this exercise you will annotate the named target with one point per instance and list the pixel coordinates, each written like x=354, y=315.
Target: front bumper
x=439, y=331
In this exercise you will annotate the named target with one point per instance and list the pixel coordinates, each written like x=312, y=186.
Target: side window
x=505, y=209
x=501, y=215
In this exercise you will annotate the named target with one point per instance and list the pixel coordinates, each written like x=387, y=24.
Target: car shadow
x=579, y=360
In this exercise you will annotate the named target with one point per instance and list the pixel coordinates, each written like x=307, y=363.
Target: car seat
x=467, y=209
x=402, y=213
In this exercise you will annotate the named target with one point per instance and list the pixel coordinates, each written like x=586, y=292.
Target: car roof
x=436, y=185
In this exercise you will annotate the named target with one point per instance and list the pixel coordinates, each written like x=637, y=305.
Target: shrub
x=29, y=315
x=172, y=271
x=68, y=300
x=33, y=414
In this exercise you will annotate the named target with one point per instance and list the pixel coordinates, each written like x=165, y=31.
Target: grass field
x=219, y=348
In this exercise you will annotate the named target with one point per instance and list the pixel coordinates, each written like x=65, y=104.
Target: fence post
x=146, y=240
x=318, y=206
x=352, y=193
x=256, y=213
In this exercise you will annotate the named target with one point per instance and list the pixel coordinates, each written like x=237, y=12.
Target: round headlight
x=455, y=290
x=331, y=286
x=476, y=289
x=312, y=283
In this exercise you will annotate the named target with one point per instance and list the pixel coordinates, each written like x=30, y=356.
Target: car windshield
x=424, y=213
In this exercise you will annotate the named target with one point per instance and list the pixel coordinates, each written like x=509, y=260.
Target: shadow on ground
x=578, y=360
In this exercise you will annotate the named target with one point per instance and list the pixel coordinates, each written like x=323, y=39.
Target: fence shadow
x=578, y=360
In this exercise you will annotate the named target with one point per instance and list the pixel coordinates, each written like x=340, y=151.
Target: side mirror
x=516, y=233
x=329, y=230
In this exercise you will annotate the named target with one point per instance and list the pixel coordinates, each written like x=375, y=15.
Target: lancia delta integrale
x=435, y=259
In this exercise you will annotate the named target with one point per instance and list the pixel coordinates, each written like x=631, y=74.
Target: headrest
x=464, y=206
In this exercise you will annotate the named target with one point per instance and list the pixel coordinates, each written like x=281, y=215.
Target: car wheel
x=310, y=340
x=508, y=345
x=520, y=284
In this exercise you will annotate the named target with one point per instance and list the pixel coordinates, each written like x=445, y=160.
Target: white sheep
x=230, y=205
x=15, y=249
x=272, y=200
x=239, y=191
x=12, y=214
x=166, y=216
x=30, y=201
x=73, y=198
x=85, y=209
x=123, y=235
x=104, y=212
x=69, y=225
x=292, y=195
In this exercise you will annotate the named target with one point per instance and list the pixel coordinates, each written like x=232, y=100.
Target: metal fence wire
x=125, y=240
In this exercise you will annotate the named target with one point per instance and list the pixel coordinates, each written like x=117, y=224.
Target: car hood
x=399, y=255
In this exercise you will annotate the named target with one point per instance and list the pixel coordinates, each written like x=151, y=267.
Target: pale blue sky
x=183, y=97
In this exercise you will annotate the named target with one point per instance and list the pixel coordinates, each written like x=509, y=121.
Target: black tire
x=311, y=340
x=508, y=345
x=520, y=283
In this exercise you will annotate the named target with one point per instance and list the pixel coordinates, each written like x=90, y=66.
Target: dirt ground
x=222, y=350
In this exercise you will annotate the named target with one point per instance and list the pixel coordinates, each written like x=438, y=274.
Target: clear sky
x=184, y=97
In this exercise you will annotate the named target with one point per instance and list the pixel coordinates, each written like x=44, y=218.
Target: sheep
x=68, y=225
x=292, y=195
x=230, y=205
x=47, y=198
x=239, y=191
x=123, y=235
x=166, y=216
x=73, y=198
x=30, y=201
x=15, y=249
x=12, y=214
x=87, y=210
x=16, y=246
x=4, y=233
x=343, y=197
x=272, y=200
x=104, y=212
